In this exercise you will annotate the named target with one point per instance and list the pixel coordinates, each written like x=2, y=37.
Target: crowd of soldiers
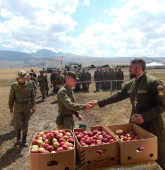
x=108, y=78
x=104, y=78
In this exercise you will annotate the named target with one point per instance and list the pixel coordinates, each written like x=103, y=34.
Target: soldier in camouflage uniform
x=60, y=80
x=107, y=78
x=43, y=83
x=78, y=84
x=147, y=96
x=21, y=101
x=84, y=79
x=120, y=76
x=33, y=73
x=89, y=78
x=97, y=78
x=53, y=80
x=34, y=82
x=66, y=104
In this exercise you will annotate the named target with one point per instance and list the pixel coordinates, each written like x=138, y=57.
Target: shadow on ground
x=11, y=156
x=7, y=136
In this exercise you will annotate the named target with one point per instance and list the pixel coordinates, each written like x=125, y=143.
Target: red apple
x=50, y=148
x=34, y=142
x=100, y=151
x=34, y=150
x=68, y=134
x=59, y=149
x=64, y=147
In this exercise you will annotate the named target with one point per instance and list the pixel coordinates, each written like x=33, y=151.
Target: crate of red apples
x=96, y=148
x=52, y=150
x=136, y=144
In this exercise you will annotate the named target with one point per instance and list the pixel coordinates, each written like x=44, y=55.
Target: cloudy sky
x=102, y=28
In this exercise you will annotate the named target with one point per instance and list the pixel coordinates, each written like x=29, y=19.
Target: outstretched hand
x=91, y=104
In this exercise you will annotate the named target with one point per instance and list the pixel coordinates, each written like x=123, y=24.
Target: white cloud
x=134, y=29
x=85, y=3
x=131, y=31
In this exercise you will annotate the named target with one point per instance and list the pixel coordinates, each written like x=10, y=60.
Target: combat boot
x=18, y=139
x=24, y=143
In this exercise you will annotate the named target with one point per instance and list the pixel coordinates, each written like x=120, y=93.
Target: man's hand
x=80, y=118
x=91, y=104
x=137, y=118
x=11, y=111
x=33, y=109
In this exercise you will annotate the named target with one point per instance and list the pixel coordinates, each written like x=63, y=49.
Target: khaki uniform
x=150, y=94
x=21, y=97
x=67, y=107
x=97, y=78
x=43, y=83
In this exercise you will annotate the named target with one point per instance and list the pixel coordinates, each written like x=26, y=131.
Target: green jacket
x=66, y=102
x=21, y=94
x=150, y=93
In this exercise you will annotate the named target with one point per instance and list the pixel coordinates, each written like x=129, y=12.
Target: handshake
x=91, y=104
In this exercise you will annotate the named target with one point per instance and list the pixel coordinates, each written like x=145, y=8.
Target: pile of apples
x=52, y=142
x=128, y=136
x=94, y=137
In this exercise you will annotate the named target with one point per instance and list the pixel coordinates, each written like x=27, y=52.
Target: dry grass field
x=17, y=158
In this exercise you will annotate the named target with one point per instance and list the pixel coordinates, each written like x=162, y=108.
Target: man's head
x=71, y=79
x=41, y=72
x=22, y=76
x=137, y=67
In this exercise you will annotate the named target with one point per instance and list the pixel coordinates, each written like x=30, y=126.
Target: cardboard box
x=64, y=160
x=88, y=156
x=129, y=152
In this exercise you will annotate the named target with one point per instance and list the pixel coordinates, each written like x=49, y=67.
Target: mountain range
x=22, y=59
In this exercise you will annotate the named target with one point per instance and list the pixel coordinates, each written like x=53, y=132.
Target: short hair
x=139, y=61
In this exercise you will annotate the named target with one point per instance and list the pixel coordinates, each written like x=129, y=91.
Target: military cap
x=72, y=74
x=22, y=73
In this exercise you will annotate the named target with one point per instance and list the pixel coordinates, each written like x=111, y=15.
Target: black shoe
x=24, y=143
x=18, y=139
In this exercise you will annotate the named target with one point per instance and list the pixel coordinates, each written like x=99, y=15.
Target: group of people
x=146, y=93
x=147, y=97
x=108, y=78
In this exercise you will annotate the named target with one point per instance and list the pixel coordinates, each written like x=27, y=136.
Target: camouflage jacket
x=66, y=102
x=21, y=94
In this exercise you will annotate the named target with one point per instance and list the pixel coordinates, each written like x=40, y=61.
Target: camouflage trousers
x=21, y=118
x=43, y=90
x=68, y=123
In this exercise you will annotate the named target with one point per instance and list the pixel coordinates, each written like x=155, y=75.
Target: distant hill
x=21, y=59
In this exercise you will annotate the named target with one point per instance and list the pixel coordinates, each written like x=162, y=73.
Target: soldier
x=120, y=76
x=78, y=84
x=60, y=80
x=142, y=88
x=32, y=81
x=21, y=101
x=53, y=80
x=84, y=79
x=97, y=78
x=107, y=78
x=66, y=104
x=43, y=83
x=33, y=73
x=89, y=78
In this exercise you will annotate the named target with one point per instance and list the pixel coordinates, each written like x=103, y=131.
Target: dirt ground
x=17, y=158
x=13, y=157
